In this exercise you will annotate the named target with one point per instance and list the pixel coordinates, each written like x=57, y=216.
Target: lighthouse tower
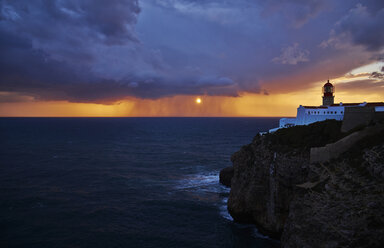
x=328, y=97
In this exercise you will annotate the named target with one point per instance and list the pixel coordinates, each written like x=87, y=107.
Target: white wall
x=379, y=109
x=307, y=116
x=287, y=122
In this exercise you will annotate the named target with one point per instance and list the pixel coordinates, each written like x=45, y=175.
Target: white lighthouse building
x=328, y=110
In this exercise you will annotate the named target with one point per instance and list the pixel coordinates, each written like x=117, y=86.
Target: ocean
x=121, y=182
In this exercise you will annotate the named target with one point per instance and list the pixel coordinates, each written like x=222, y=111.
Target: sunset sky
x=156, y=57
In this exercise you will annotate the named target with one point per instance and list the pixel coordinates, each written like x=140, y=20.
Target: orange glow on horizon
x=247, y=105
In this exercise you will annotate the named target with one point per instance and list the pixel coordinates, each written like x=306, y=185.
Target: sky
x=156, y=57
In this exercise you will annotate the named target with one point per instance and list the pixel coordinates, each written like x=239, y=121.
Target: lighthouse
x=330, y=111
x=328, y=97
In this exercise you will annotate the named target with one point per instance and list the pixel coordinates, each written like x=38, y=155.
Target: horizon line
x=146, y=116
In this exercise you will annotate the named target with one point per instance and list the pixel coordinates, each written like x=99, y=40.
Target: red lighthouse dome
x=328, y=90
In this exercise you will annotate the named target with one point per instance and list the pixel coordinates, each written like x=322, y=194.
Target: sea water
x=121, y=182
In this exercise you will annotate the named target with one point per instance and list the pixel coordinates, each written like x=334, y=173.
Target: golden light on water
x=198, y=100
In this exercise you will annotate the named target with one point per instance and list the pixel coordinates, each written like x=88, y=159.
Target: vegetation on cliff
x=305, y=137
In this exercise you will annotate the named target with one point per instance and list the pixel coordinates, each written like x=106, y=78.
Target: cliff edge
x=337, y=203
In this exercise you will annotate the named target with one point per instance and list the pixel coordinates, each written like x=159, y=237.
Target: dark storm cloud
x=62, y=50
x=104, y=51
x=32, y=71
x=109, y=21
x=297, y=12
x=362, y=26
x=35, y=73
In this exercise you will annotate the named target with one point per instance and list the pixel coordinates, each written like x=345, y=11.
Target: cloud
x=212, y=80
x=111, y=23
x=296, y=12
x=376, y=74
x=14, y=97
x=362, y=86
x=87, y=51
x=36, y=73
x=222, y=12
x=85, y=56
x=359, y=26
x=358, y=75
x=292, y=55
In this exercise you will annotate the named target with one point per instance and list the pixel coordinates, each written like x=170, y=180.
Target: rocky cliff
x=338, y=203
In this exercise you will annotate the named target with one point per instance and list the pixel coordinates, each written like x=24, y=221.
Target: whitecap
x=224, y=210
x=257, y=234
x=208, y=182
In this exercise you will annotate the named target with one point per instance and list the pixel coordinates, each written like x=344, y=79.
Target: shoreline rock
x=226, y=176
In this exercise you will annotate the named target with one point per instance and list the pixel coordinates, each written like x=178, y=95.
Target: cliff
x=226, y=176
x=337, y=203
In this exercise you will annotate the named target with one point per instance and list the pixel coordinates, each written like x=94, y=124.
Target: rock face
x=345, y=209
x=262, y=185
x=335, y=204
x=226, y=176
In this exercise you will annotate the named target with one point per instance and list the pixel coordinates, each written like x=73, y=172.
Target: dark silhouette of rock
x=226, y=175
x=334, y=204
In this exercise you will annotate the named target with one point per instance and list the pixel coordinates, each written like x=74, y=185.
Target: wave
x=224, y=210
x=207, y=183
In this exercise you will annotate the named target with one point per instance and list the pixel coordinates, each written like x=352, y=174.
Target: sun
x=198, y=100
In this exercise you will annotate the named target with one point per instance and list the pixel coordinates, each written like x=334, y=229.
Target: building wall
x=307, y=116
x=379, y=109
x=287, y=122
x=357, y=116
x=361, y=116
